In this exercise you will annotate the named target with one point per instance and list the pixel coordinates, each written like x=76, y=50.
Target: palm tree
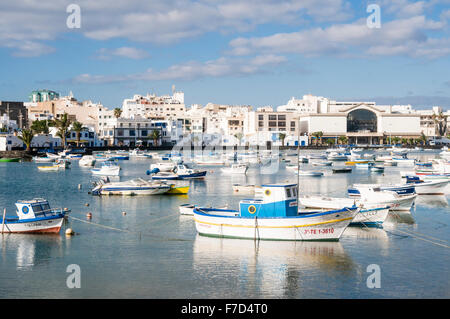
x=40, y=126
x=423, y=139
x=26, y=137
x=63, y=125
x=239, y=136
x=156, y=135
x=342, y=139
x=282, y=136
x=117, y=112
x=320, y=134
x=78, y=128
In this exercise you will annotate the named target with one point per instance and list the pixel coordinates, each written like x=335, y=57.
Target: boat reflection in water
x=277, y=268
x=399, y=217
x=29, y=249
x=432, y=201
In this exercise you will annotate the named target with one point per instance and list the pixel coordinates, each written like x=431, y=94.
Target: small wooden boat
x=34, y=216
x=377, y=169
x=107, y=169
x=10, y=159
x=136, y=186
x=322, y=163
x=178, y=190
x=235, y=169
x=48, y=168
x=342, y=170
x=273, y=215
x=247, y=189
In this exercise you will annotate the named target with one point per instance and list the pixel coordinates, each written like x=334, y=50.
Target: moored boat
x=431, y=187
x=107, y=169
x=137, y=186
x=235, y=169
x=273, y=215
x=34, y=216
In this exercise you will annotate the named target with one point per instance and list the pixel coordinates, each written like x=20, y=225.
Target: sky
x=228, y=52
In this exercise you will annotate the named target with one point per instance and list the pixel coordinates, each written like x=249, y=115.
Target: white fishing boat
x=87, y=161
x=430, y=187
x=209, y=162
x=377, y=196
x=370, y=213
x=137, y=186
x=107, y=169
x=334, y=156
x=235, y=169
x=401, y=161
x=273, y=215
x=322, y=163
x=377, y=169
x=364, y=165
x=34, y=216
x=246, y=189
x=162, y=167
x=43, y=159
x=188, y=209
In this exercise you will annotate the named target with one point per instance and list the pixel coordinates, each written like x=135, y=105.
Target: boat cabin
x=271, y=200
x=28, y=209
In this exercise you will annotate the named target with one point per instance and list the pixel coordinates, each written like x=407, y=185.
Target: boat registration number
x=319, y=231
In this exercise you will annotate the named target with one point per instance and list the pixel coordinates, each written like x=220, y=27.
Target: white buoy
x=124, y=213
x=69, y=232
x=89, y=215
x=87, y=204
x=79, y=186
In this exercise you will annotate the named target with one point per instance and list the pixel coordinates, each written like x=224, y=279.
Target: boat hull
x=38, y=225
x=304, y=227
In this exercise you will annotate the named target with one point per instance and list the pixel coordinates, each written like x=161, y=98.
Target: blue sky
x=231, y=52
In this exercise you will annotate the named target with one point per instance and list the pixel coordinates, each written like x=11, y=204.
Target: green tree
x=26, y=137
x=40, y=126
x=343, y=139
x=78, y=128
x=63, y=125
x=282, y=137
x=117, y=112
x=156, y=135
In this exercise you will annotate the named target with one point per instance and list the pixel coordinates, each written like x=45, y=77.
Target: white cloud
x=223, y=66
x=407, y=36
x=124, y=52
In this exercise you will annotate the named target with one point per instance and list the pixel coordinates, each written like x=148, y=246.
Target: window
x=282, y=124
x=292, y=123
x=288, y=192
x=132, y=133
x=272, y=124
x=144, y=133
x=261, y=117
x=282, y=117
x=119, y=132
x=272, y=117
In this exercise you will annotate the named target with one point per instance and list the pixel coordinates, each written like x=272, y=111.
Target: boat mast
x=298, y=161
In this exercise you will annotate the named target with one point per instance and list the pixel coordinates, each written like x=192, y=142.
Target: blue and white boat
x=181, y=171
x=107, y=169
x=401, y=189
x=34, y=216
x=371, y=214
x=273, y=215
x=364, y=165
x=136, y=186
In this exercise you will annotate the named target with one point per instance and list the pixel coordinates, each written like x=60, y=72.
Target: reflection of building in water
x=274, y=267
x=31, y=250
x=432, y=201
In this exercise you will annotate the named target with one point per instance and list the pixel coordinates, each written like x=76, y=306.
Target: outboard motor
x=153, y=171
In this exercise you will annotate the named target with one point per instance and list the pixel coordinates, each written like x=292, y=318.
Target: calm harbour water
x=159, y=254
